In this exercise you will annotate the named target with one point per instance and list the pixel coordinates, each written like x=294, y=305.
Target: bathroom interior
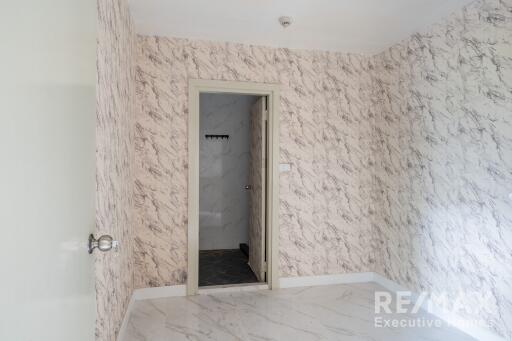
x=229, y=195
x=234, y=170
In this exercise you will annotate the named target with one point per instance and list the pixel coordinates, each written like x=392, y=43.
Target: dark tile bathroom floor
x=220, y=267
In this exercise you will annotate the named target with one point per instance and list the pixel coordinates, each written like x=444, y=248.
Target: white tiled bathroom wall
x=223, y=170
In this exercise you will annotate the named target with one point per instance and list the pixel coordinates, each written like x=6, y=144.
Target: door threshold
x=213, y=289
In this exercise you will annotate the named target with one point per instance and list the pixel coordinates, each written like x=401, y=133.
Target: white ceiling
x=360, y=26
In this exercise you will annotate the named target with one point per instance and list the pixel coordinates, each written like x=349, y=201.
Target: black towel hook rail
x=210, y=136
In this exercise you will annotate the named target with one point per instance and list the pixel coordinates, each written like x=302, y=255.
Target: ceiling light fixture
x=285, y=21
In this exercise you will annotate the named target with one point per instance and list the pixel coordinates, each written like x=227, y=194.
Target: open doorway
x=233, y=184
x=232, y=191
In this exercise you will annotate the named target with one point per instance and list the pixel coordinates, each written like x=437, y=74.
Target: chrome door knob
x=104, y=243
x=248, y=187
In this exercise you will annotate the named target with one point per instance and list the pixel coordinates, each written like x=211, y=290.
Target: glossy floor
x=336, y=312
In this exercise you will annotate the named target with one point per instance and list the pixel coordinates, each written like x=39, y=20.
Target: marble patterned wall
x=114, y=163
x=325, y=132
x=224, y=171
x=443, y=159
x=401, y=162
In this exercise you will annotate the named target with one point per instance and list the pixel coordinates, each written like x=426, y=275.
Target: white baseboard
x=146, y=294
x=387, y=283
x=306, y=281
x=124, y=324
x=160, y=292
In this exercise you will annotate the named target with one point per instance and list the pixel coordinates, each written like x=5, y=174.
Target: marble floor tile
x=335, y=312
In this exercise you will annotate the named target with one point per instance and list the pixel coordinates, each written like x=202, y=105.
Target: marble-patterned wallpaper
x=256, y=206
x=443, y=152
x=223, y=171
x=325, y=132
x=401, y=162
x=115, y=122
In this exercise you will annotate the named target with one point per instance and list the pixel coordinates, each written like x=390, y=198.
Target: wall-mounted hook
x=209, y=136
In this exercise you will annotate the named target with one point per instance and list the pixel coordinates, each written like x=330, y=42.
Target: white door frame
x=195, y=88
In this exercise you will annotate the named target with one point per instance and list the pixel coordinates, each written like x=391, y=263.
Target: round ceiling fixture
x=285, y=21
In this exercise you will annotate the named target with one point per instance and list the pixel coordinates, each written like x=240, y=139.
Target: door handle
x=104, y=243
x=248, y=187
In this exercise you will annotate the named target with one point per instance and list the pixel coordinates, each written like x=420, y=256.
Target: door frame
x=195, y=88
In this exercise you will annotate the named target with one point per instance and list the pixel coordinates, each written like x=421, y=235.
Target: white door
x=257, y=180
x=47, y=169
